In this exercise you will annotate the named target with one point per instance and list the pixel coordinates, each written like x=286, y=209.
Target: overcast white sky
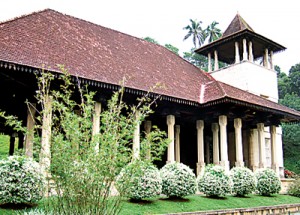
x=163, y=20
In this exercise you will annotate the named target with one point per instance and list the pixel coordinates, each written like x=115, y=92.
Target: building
x=210, y=117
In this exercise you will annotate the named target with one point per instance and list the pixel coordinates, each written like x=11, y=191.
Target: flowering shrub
x=214, y=182
x=243, y=181
x=178, y=180
x=289, y=174
x=20, y=180
x=294, y=189
x=139, y=180
x=268, y=182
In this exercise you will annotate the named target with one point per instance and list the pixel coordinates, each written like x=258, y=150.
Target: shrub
x=178, y=180
x=243, y=181
x=214, y=182
x=20, y=180
x=268, y=182
x=294, y=189
x=142, y=181
x=289, y=174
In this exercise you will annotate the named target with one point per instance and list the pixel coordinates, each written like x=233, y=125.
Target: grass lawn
x=194, y=203
x=4, y=146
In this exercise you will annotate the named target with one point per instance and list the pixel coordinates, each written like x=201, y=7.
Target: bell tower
x=243, y=51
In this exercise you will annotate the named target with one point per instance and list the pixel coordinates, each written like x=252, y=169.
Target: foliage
x=4, y=146
x=20, y=180
x=289, y=174
x=268, y=182
x=196, y=32
x=151, y=40
x=212, y=32
x=178, y=180
x=172, y=48
x=214, y=182
x=142, y=180
x=243, y=181
x=199, y=61
x=294, y=189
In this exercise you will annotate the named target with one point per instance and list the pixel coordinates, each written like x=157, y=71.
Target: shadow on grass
x=142, y=201
x=22, y=206
x=215, y=197
x=175, y=199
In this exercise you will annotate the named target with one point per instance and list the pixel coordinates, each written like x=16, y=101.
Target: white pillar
x=96, y=122
x=171, y=151
x=254, y=149
x=271, y=61
x=266, y=56
x=45, y=153
x=136, y=138
x=209, y=62
x=216, y=61
x=147, y=126
x=237, y=52
x=245, y=53
x=251, y=58
x=223, y=142
x=216, y=153
x=177, y=143
x=30, y=130
x=261, y=143
x=238, y=143
x=200, y=146
x=274, y=162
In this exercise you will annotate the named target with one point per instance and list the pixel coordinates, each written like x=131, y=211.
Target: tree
x=212, y=32
x=196, y=32
x=198, y=60
x=294, y=75
x=151, y=40
x=172, y=48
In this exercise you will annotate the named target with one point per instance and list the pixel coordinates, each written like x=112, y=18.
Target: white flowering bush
x=214, y=182
x=268, y=182
x=178, y=180
x=243, y=181
x=20, y=180
x=139, y=180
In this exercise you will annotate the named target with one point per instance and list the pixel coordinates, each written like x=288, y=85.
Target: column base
x=254, y=168
x=200, y=168
x=275, y=167
x=225, y=164
x=170, y=162
x=216, y=163
x=239, y=164
x=262, y=165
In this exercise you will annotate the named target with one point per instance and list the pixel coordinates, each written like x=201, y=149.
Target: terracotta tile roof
x=100, y=54
x=236, y=25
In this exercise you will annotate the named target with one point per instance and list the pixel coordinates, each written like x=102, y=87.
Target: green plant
x=294, y=189
x=243, y=181
x=20, y=180
x=142, y=180
x=214, y=182
x=178, y=180
x=268, y=182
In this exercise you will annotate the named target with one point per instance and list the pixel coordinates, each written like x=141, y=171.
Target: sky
x=164, y=20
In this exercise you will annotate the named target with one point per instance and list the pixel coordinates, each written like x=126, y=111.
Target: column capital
x=237, y=123
x=171, y=120
x=177, y=129
x=260, y=127
x=223, y=120
x=215, y=127
x=200, y=124
x=273, y=129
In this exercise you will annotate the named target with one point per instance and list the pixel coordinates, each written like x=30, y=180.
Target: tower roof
x=236, y=25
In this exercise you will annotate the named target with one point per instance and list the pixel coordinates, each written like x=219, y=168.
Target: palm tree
x=213, y=33
x=195, y=30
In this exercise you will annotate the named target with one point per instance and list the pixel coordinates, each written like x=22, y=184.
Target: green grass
x=4, y=146
x=194, y=203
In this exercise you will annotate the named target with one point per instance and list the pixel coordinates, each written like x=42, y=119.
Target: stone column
x=237, y=52
x=209, y=62
x=271, y=61
x=274, y=162
x=238, y=143
x=207, y=151
x=245, y=53
x=30, y=130
x=223, y=142
x=254, y=149
x=216, y=61
x=12, y=140
x=45, y=153
x=147, y=126
x=136, y=138
x=200, y=146
x=251, y=58
x=261, y=143
x=171, y=151
x=96, y=122
x=177, y=143
x=266, y=56
x=216, y=156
